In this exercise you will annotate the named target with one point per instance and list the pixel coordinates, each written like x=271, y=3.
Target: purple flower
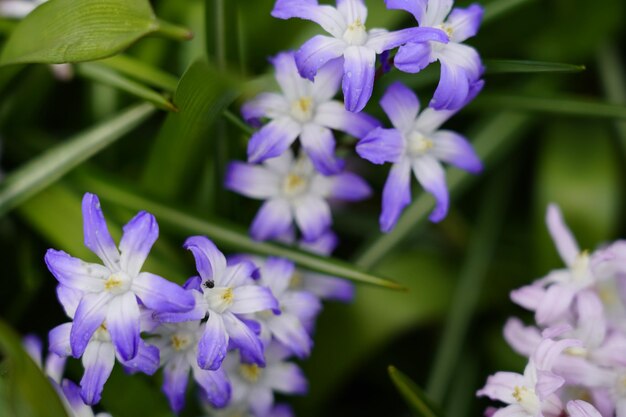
x=461, y=67
x=178, y=344
x=74, y=402
x=109, y=293
x=254, y=387
x=224, y=293
x=294, y=191
x=306, y=110
x=349, y=39
x=415, y=143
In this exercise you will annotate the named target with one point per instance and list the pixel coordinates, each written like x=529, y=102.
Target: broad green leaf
x=184, y=141
x=491, y=141
x=29, y=392
x=45, y=169
x=575, y=107
x=99, y=73
x=225, y=235
x=417, y=400
x=497, y=66
x=82, y=30
x=141, y=71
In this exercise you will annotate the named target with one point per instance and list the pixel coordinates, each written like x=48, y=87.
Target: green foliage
x=412, y=394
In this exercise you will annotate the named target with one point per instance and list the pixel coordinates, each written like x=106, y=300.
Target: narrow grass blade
x=612, y=75
x=100, y=73
x=226, y=235
x=504, y=66
x=416, y=399
x=140, y=71
x=47, y=168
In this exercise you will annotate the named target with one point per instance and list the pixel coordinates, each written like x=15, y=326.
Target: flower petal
x=319, y=144
x=198, y=312
x=289, y=331
x=430, y=119
x=97, y=236
x=254, y=181
x=139, y=235
x=500, y=386
x=303, y=304
x=432, y=177
x=416, y=7
x=98, y=362
x=269, y=105
x=74, y=273
x=334, y=115
x=329, y=288
x=213, y=343
x=273, y=139
x=244, y=338
x=327, y=81
x=561, y=235
x=349, y=187
x=59, y=340
x=454, y=149
x=554, y=304
x=159, y=294
x=396, y=194
x=523, y=339
x=401, y=106
x=276, y=274
x=242, y=272
x=147, y=359
x=579, y=408
x=122, y=322
x=175, y=378
x=261, y=400
x=312, y=215
x=210, y=262
x=291, y=83
x=380, y=40
x=352, y=10
x=251, y=299
x=215, y=385
x=329, y=18
x=272, y=220
x=381, y=145
x=287, y=378
x=464, y=57
x=436, y=12
x=358, y=77
x=69, y=299
x=465, y=22
x=316, y=52
x=90, y=315
x=414, y=57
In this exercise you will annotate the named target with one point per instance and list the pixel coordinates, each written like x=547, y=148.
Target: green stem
x=468, y=289
x=237, y=122
x=170, y=30
x=612, y=70
x=220, y=35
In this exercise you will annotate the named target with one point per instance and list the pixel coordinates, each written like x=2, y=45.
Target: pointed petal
x=523, y=339
x=251, y=299
x=197, y=313
x=69, y=299
x=401, y=106
x=139, y=235
x=358, y=78
x=416, y=7
x=414, y=57
x=324, y=245
x=213, y=343
x=159, y=294
x=97, y=236
x=352, y=10
x=381, y=40
x=454, y=149
x=547, y=384
x=549, y=350
x=175, y=378
x=316, y=52
x=281, y=164
x=276, y=274
x=273, y=219
x=303, y=304
x=291, y=83
x=287, y=378
x=463, y=57
x=432, y=177
x=289, y=331
x=465, y=22
x=329, y=18
x=90, y=314
x=254, y=181
x=122, y=321
x=273, y=139
x=312, y=215
x=244, y=338
x=319, y=144
x=396, y=194
x=381, y=145
x=54, y=365
x=98, y=362
x=329, y=288
x=579, y=408
x=210, y=262
x=529, y=296
x=261, y=400
x=146, y=361
x=501, y=385
x=327, y=81
x=59, y=340
x=270, y=105
x=430, y=119
x=554, y=304
x=243, y=272
x=215, y=385
x=334, y=115
x=75, y=273
x=349, y=187
x=436, y=12
x=561, y=235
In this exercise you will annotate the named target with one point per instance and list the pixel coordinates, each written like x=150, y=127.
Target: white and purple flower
x=110, y=294
x=294, y=192
x=349, y=39
x=461, y=66
x=415, y=143
x=304, y=110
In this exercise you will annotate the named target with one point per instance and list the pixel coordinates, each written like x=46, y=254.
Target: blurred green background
x=493, y=240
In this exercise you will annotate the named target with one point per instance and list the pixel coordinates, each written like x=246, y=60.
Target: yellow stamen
x=250, y=372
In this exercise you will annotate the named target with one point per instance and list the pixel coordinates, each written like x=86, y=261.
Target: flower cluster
x=576, y=348
x=296, y=190
x=234, y=326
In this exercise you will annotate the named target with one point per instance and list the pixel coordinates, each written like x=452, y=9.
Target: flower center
x=580, y=267
x=302, y=109
x=102, y=334
x=296, y=280
x=180, y=342
x=355, y=34
x=250, y=372
x=219, y=298
x=527, y=399
x=418, y=144
x=294, y=185
x=117, y=283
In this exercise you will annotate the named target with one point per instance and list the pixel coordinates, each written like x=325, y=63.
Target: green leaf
x=45, y=169
x=499, y=66
x=227, y=236
x=82, y=30
x=141, y=71
x=611, y=69
x=574, y=107
x=29, y=391
x=201, y=96
x=413, y=394
x=99, y=73
x=498, y=8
